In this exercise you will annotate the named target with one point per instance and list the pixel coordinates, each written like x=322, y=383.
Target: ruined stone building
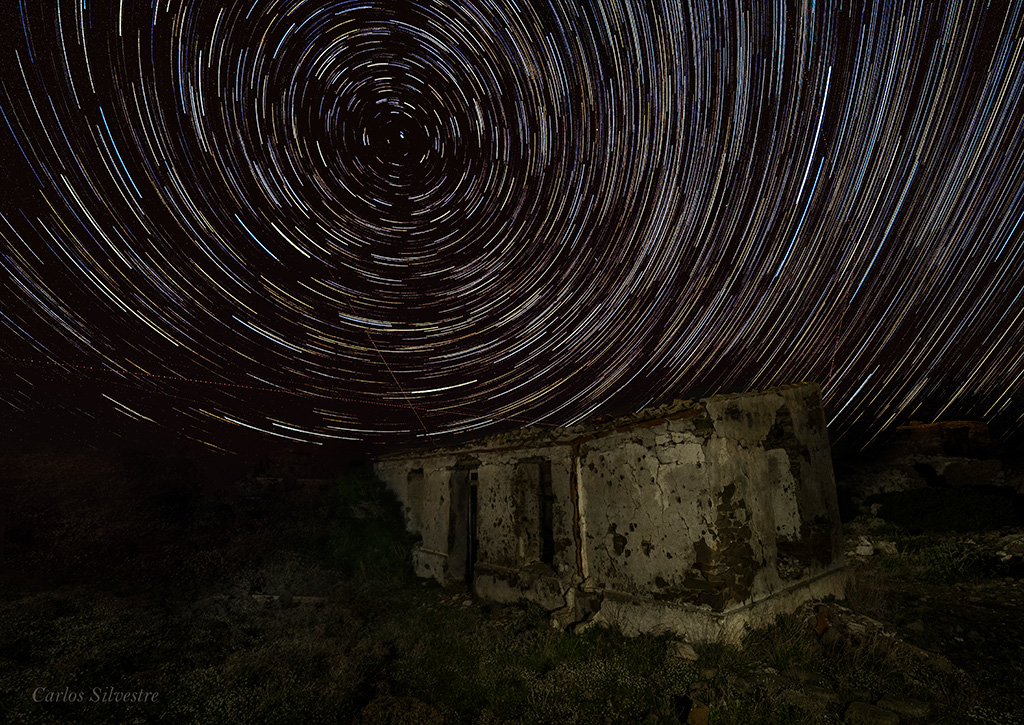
x=695, y=517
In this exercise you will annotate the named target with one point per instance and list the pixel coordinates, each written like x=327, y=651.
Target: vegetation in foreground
x=339, y=630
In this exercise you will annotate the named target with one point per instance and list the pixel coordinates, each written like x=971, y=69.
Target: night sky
x=381, y=223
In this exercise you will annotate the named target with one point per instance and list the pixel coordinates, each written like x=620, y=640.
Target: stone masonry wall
x=712, y=505
x=717, y=508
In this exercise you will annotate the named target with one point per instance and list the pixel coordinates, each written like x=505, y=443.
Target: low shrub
x=790, y=643
x=367, y=537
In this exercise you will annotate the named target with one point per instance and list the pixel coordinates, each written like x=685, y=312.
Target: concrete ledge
x=505, y=584
x=762, y=612
x=700, y=624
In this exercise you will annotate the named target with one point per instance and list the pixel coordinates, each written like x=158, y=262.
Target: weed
x=868, y=596
x=887, y=530
x=725, y=657
x=764, y=712
x=789, y=643
x=948, y=562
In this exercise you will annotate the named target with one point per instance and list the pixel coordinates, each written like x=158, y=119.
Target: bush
x=367, y=537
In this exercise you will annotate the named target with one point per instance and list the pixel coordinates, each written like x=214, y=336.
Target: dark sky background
x=333, y=224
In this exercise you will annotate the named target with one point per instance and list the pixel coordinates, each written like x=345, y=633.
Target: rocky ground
x=272, y=594
x=957, y=595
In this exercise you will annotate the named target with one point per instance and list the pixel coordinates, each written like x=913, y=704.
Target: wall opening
x=473, y=542
x=547, y=515
x=462, y=534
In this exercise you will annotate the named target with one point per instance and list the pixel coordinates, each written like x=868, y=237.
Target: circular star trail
x=316, y=220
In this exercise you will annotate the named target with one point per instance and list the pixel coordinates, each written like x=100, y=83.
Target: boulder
x=682, y=651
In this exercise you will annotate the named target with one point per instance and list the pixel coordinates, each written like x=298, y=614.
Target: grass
x=520, y=669
x=932, y=560
x=385, y=647
x=948, y=562
x=790, y=644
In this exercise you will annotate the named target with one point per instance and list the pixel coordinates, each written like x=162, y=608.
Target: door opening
x=462, y=527
x=473, y=542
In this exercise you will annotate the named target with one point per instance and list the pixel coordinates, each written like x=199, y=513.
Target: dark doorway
x=462, y=526
x=547, y=515
x=474, y=542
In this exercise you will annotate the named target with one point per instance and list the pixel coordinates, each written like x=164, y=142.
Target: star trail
x=374, y=223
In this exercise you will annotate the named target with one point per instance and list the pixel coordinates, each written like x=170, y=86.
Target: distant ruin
x=919, y=455
x=693, y=517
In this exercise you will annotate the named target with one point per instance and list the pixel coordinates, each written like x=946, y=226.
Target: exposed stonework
x=696, y=517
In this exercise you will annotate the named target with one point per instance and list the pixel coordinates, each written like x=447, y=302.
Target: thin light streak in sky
x=420, y=219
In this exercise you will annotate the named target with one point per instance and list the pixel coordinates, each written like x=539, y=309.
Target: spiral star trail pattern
x=378, y=222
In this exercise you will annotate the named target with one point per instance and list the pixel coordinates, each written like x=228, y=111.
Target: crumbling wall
x=636, y=490
x=421, y=484
x=511, y=560
x=714, y=509
x=511, y=509
x=710, y=506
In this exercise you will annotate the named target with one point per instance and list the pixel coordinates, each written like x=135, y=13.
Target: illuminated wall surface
x=694, y=516
x=340, y=222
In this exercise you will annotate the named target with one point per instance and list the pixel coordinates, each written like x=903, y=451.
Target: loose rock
x=682, y=651
x=699, y=714
x=864, y=548
x=810, y=698
x=594, y=620
x=861, y=713
x=910, y=708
